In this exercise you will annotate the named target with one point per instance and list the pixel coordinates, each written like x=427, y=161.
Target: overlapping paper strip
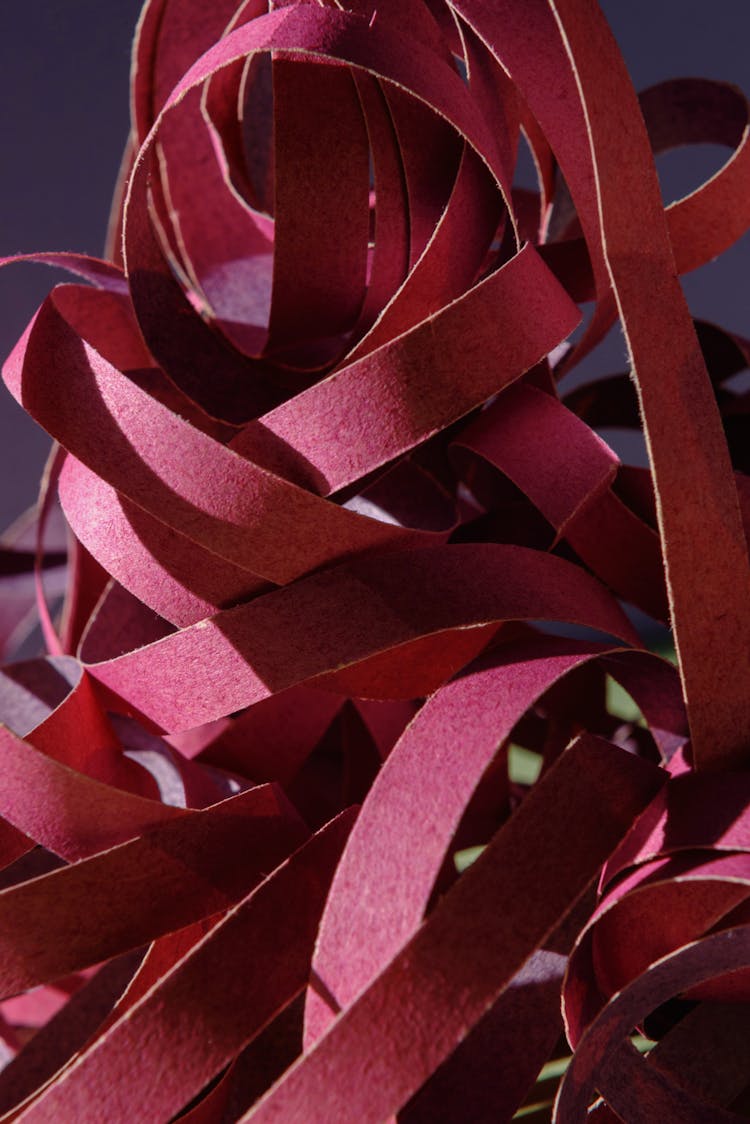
x=325, y=481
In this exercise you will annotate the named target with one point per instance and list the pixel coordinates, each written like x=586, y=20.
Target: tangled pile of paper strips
x=324, y=479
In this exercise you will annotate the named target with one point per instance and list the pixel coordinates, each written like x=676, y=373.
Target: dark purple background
x=63, y=120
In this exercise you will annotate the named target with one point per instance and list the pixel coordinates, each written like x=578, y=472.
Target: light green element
x=667, y=652
x=619, y=702
x=532, y=1109
x=524, y=766
x=463, y=859
x=621, y=705
x=554, y=1070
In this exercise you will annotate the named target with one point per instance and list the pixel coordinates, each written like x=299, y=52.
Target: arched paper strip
x=654, y=684
x=45, y=504
x=498, y=100
x=117, y=623
x=185, y=582
x=707, y=959
x=171, y=35
x=698, y=111
x=701, y=504
x=242, y=661
x=405, y=838
x=351, y=39
x=637, y=1087
x=623, y=551
x=105, y=319
x=31, y=689
x=54, y=705
x=381, y=1049
x=155, y=293
x=170, y=573
x=18, y=611
x=256, y=1068
x=490, y=1072
x=238, y=104
x=692, y=812
x=547, y=82
x=235, y=389
x=98, y=272
x=430, y=166
x=412, y=812
x=117, y=439
x=548, y=453
x=707, y=1051
x=696, y=497
x=62, y=715
x=180, y=783
x=690, y=111
x=229, y=269
x=318, y=275
x=161, y=956
x=46, y=794
x=389, y=261
x=647, y=914
x=665, y=905
x=365, y=414
x=450, y=262
x=51, y=803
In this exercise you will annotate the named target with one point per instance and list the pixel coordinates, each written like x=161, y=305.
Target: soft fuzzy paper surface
x=348, y=571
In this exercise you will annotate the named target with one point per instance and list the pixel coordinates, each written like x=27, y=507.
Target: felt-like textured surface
x=328, y=518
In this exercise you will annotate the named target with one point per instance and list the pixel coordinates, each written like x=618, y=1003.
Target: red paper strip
x=172, y=874
x=323, y=491
x=243, y=656
x=415, y=385
x=707, y=959
x=697, y=502
x=191, y=1031
x=380, y=1050
x=67, y=1032
x=411, y=814
x=318, y=276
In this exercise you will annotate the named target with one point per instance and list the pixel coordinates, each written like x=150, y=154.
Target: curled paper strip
x=348, y=575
